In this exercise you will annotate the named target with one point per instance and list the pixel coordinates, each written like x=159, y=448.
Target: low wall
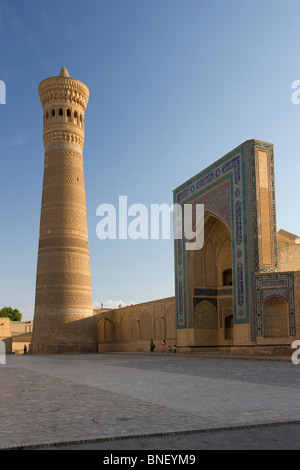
x=131, y=328
x=18, y=343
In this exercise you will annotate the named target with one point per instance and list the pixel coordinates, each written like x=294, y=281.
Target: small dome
x=64, y=72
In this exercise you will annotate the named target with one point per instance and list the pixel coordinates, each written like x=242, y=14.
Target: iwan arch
x=240, y=292
x=235, y=292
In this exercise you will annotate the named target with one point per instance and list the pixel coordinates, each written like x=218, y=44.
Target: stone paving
x=273, y=437
x=63, y=399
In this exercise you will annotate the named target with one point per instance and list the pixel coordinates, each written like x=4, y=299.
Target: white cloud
x=19, y=140
x=113, y=304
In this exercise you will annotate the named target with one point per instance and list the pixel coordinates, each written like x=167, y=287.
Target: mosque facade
x=240, y=292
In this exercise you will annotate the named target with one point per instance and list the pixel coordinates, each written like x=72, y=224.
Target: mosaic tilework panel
x=230, y=168
x=254, y=266
x=212, y=292
x=238, y=170
x=281, y=284
x=254, y=261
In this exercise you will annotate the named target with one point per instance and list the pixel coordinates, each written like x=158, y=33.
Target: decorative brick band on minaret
x=63, y=318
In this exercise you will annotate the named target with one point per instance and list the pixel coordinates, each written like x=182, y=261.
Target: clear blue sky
x=175, y=85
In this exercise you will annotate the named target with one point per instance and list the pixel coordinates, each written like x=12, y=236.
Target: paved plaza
x=51, y=400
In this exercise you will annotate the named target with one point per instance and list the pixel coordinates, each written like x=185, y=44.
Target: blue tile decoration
x=212, y=292
x=228, y=169
x=278, y=281
x=236, y=171
x=64, y=145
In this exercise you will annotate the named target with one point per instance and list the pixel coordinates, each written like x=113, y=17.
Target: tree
x=13, y=314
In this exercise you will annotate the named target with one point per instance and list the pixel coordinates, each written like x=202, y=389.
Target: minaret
x=63, y=317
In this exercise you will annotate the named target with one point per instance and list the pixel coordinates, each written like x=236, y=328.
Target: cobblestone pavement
x=63, y=399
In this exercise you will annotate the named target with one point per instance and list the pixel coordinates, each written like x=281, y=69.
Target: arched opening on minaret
x=76, y=118
x=68, y=115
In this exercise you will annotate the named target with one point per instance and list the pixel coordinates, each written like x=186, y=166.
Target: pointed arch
x=275, y=317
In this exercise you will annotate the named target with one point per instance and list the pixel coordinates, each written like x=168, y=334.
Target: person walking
x=152, y=345
x=163, y=345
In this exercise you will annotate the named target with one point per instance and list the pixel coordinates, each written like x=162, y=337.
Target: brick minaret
x=63, y=318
